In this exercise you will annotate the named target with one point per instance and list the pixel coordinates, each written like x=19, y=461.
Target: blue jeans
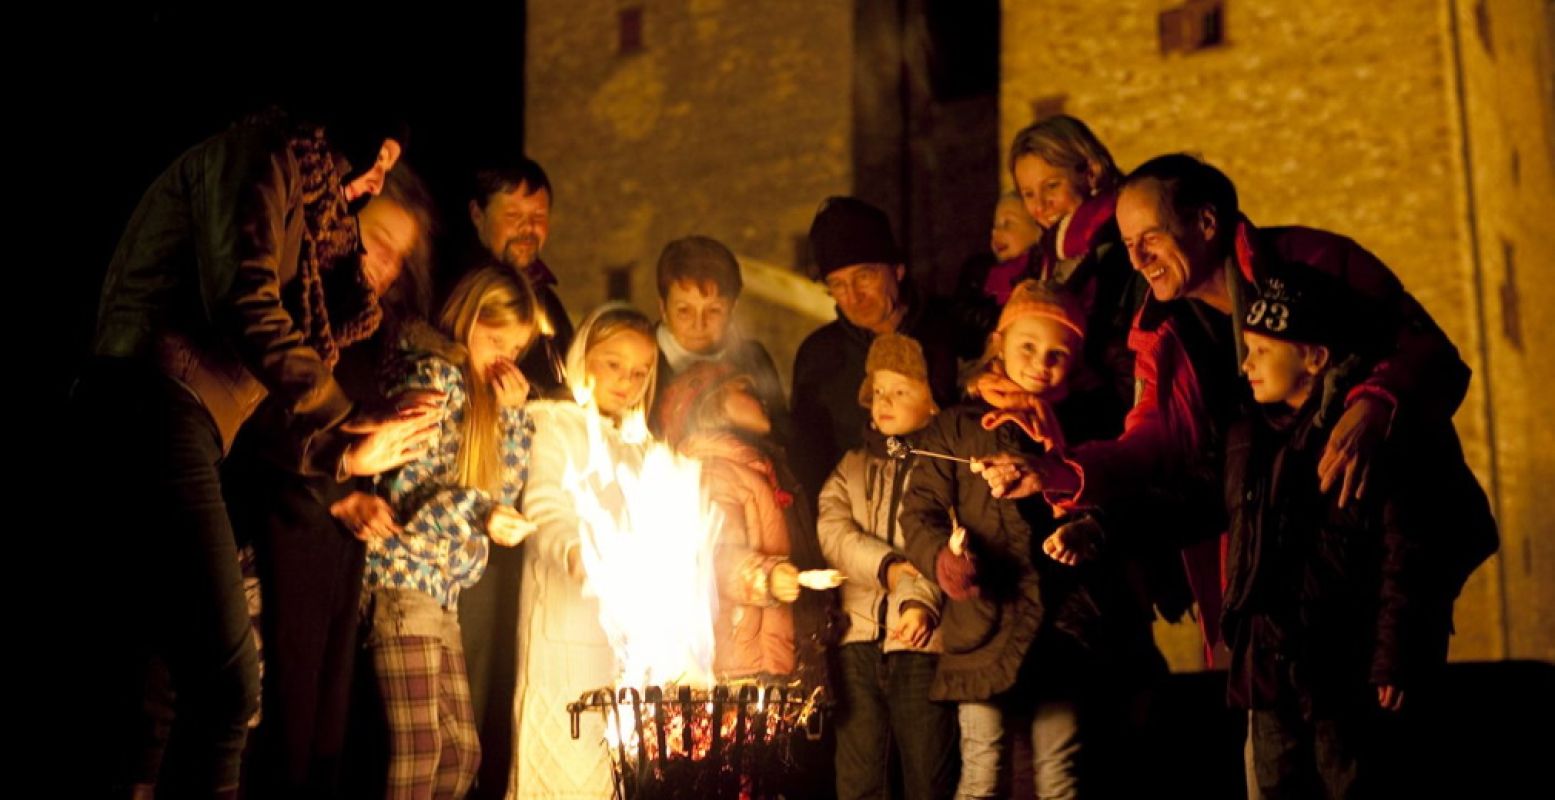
x=1055, y=749
x=884, y=699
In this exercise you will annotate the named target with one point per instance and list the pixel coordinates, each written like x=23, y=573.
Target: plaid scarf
x=329, y=257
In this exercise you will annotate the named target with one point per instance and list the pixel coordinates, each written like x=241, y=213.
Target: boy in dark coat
x=1331, y=612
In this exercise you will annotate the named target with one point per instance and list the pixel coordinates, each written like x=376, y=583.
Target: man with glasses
x=857, y=258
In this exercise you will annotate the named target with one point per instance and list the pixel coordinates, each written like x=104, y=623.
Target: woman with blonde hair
x=1058, y=164
x=1068, y=182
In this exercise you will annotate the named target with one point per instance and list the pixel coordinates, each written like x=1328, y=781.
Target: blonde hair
x=1067, y=143
x=495, y=297
x=601, y=324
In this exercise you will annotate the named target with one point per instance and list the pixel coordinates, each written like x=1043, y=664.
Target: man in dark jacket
x=237, y=278
x=857, y=258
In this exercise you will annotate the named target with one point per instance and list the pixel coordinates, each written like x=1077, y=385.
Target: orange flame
x=647, y=531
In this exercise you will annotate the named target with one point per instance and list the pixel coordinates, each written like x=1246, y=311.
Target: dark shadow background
x=124, y=93
x=99, y=101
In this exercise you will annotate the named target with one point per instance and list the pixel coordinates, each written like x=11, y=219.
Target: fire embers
x=733, y=741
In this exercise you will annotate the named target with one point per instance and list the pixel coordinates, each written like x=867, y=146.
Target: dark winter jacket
x=1025, y=599
x=828, y=369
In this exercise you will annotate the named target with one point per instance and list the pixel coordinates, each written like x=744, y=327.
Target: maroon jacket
x=1173, y=425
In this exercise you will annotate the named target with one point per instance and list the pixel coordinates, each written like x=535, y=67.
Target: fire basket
x=733, y=741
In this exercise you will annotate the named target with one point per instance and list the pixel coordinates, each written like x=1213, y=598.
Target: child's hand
x=1073, y=542
x=784, y=582
x=418, y=403
x=1390, y=697
x=366, y=516
x=915, y=627
x=510, y=385
x=507, y=527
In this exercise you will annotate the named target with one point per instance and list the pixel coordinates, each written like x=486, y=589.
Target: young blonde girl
x=456, y=499
x=563, y=650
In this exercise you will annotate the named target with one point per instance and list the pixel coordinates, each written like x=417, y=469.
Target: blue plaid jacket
x=443, y=546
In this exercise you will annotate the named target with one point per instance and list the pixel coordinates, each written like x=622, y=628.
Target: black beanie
x=849, y=231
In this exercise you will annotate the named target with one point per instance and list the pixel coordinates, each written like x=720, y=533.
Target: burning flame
x=691, y=728
x=647, y=534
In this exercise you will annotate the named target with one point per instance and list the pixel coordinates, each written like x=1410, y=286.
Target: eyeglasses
x=862, y=280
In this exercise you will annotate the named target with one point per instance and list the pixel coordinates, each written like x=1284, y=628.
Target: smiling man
x=510, y=209
x=1182, y=226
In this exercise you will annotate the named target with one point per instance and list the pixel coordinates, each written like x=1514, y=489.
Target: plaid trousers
x=419, y=661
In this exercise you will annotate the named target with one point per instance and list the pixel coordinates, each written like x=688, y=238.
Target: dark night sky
x=99, y=102
x=124, y=93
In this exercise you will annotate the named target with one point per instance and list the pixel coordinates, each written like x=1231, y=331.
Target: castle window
x=631, y=33
x=1193, y=26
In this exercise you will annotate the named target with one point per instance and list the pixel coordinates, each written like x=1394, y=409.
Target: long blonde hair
x=496, y=297
x=601, y=324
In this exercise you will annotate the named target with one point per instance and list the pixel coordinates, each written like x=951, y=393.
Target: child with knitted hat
x=1026, y=638
x=890, y=647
